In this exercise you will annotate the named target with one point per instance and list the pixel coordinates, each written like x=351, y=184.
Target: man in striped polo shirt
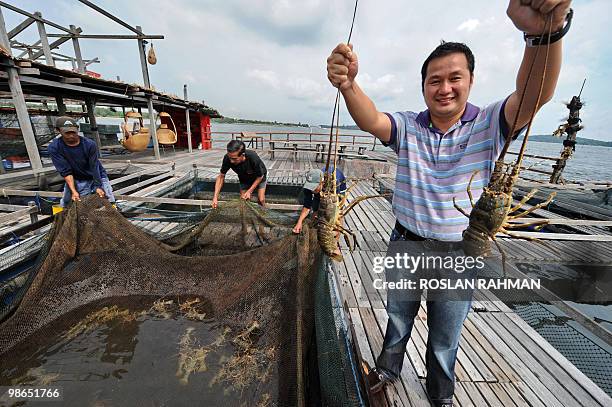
x=438, y=150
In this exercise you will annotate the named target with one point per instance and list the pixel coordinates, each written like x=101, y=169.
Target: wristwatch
x=536, y=40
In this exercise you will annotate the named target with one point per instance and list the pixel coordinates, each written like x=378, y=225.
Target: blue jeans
x=444, y=320
x=86, y=187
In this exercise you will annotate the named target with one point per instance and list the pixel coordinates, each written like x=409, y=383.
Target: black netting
x=583, y=350
x=108, y=306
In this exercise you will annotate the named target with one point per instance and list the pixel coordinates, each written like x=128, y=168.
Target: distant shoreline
x=542, y=138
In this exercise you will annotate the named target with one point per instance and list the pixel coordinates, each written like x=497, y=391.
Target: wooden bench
x=294, y=147
x=343, y=152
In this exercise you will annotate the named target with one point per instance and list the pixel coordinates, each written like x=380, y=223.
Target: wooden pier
x=502, y=361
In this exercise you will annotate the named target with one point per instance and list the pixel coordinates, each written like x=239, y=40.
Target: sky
x=266, y=59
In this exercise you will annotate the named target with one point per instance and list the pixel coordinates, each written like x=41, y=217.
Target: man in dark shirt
x=312, y=193
x=76, y=159
x=250, y=169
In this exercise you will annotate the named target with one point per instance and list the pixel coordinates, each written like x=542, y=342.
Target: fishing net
x=229, y=303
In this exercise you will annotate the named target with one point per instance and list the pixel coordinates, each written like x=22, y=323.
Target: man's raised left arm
x=532, y=17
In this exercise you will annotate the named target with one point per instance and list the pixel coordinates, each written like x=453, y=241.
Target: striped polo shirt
x=433, y=167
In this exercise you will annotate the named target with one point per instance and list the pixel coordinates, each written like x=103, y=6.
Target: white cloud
x=469, y=25
x=265, y=59
x=268, y=78
x=383, y=87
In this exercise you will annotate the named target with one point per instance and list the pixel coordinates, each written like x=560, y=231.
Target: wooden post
x=143, y=60
x=50, y=122
x=147, y=83
x=44, y=41
x=152, y=128
x=20, y=104
x=61, y=107
x=77, y=50
x=91, y=105
x=187, y=119
x=33, y=215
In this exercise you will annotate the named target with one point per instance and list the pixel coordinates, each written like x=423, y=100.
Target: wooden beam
x=162, y=168
x=44, y=41
x=61, y=106
x=12, y=208
x=138, y=185
x=147, y=83
x=561, y=236
x=29, y=71
x=72, y=80
x=111, y=16
x=91, y=106
x=187, y=119
x=22, y=26
x=82, y=89
x=77, y=50
x=29, y=50
x=37, y=18
x=21, y=108
x=55, y=44
x=108, y=37
x=14, y=175
x=11, y=217
x=579, y=222
x=143, y=61
x=5, y=42
x=144, y=199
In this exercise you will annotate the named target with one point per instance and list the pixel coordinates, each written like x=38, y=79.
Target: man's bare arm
x=342, y=67
x=70, y=182
x=532, y=21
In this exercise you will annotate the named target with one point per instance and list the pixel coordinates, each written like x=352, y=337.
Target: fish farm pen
x=166, y=301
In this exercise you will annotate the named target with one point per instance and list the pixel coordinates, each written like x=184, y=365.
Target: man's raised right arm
x=342, y=68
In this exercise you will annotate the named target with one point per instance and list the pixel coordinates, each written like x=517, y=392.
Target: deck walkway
x=502, y=361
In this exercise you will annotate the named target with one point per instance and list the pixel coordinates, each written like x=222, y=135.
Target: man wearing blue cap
x=76, y=159
x=312, y=193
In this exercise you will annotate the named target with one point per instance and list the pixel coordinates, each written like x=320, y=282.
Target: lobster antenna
x=583, y=82
x=336, y=110
x=541, y=88
x=520, y=106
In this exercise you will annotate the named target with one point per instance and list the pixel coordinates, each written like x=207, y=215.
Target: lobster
x=332, y=209
x=493, y=210
x=332, y=206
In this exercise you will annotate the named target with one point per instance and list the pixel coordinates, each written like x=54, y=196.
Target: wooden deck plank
x=489, y=369
x=576, y=375
x=396, y=393
x=521, y=353
x=472, y=391
x=491, y=351
x=514, y=394
x=410, y=379
x=461, y=397
x=489, y=395
x=522, y=369
x=415, y=361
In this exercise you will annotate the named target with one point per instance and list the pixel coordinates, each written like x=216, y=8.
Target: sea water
x=130, y=351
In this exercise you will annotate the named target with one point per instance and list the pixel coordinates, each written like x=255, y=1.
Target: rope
x=336, y=119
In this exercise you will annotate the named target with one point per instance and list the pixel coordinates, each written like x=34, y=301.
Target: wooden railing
x=539, y=157
x=220, y=138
